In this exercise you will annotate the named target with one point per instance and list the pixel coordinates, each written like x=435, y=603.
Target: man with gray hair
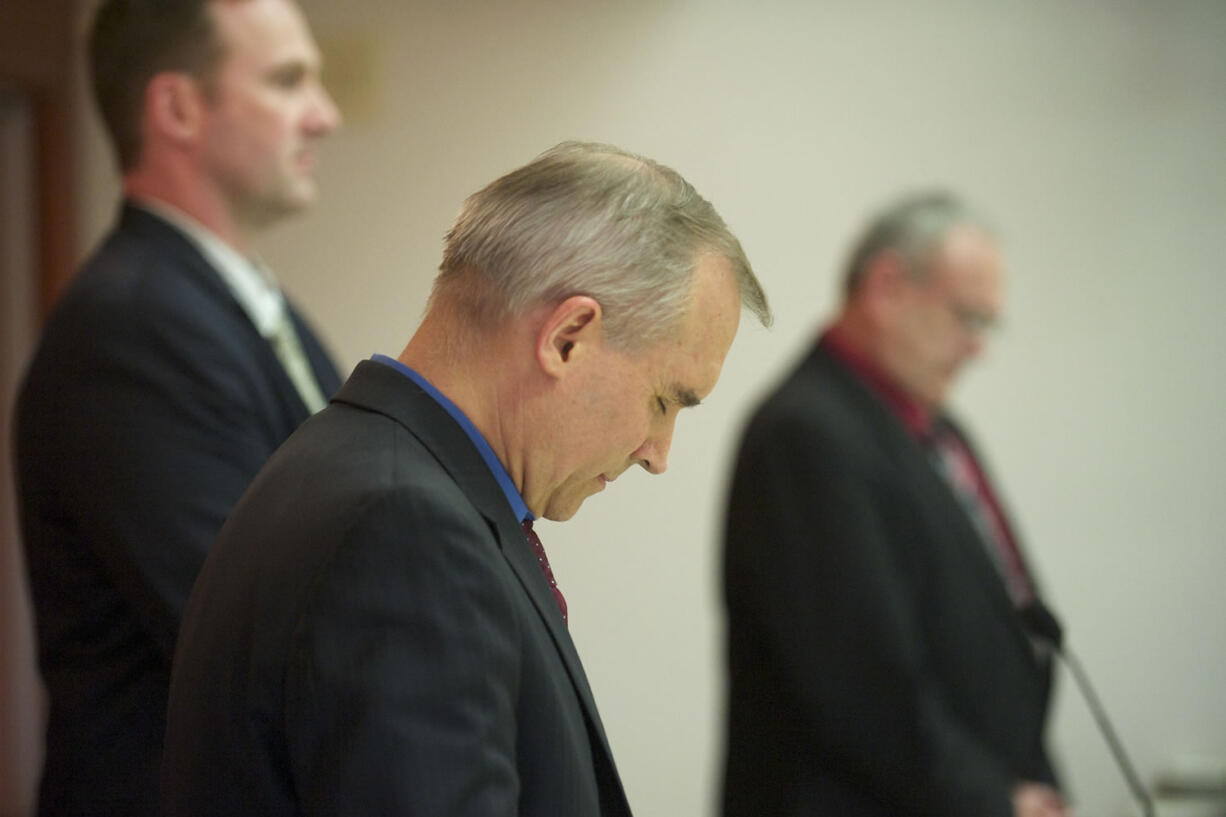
x=378, y=630
x=875, y=588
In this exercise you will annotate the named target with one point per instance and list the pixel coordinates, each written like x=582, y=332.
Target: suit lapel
x=181, y=254
x=523, y=562
x=968, y=543
x=193, y=265
x=376, y=386
x=321, y=362
x=898, y=445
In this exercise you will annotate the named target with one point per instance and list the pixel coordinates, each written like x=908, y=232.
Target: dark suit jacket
x=372, y=634
x=877, y=666
x=149, y=406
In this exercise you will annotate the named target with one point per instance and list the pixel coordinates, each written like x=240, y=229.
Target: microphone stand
x=1104, y=726
x=1039, y=622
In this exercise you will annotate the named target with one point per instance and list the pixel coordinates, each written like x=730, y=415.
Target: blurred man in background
x=875, y=587
x=168, y=372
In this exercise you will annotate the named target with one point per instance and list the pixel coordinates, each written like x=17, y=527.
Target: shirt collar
x=916, y=417
x=248, y=279
x=495, y=465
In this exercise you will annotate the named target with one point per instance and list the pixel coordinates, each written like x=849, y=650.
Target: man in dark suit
x=878, y=662
x=169, y=371
x=377, y=630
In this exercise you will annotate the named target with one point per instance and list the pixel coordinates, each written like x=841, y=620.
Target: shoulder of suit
x=131, y=277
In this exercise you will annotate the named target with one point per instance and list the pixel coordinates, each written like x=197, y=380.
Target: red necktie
x=962, y=472
x=539, y=550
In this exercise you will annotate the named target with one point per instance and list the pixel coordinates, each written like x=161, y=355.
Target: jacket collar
x=380, y=388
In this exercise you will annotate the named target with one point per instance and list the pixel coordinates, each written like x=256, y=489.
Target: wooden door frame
x=37, y=53
x=37, y=50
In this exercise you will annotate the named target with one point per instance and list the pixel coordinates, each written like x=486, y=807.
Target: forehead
x=262, y=31
x=688, y=363
x=968, y=262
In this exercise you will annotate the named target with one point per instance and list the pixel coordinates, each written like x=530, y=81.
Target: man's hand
x=1038, y=800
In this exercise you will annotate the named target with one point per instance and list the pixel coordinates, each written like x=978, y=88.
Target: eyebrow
x=289, y=69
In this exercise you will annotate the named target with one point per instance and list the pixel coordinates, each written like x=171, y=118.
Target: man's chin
x=273, y=209
x=561, y=514
x=564, y=509
x=304, y=195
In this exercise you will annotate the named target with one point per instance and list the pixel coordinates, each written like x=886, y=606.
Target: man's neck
x=189, y=198
x=483, y=376
x=853, y=341
x=437, y=354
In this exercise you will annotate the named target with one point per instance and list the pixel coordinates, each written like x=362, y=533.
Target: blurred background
x=1093, y=133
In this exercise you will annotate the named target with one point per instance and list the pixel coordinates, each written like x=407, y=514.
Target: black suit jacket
x=877, y=666
x=149, y=406
x=372, y=634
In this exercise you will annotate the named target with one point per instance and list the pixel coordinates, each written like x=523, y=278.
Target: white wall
x=1092, y=131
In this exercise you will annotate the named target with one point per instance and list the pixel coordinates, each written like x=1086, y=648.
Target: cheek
x=641, y=425
x=265, y=126
x=622, y=433
x=619, y=412
x=938, y=341
x=275, y=134
x=619, y=435
x=961, y=345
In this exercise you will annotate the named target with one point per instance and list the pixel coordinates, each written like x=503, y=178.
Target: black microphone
x=1039, y=622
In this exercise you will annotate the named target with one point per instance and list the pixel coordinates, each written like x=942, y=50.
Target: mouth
x=306, y=160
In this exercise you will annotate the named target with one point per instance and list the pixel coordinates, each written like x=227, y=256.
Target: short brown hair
x=130, y=42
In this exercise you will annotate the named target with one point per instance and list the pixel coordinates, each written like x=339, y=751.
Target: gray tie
x=288, y=346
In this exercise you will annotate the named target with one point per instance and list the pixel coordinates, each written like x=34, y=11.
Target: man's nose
x=653, y=453
x=324, y=117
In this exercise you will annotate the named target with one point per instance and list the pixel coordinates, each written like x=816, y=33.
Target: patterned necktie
x=539, y=550
x=957, y=465
x=288, y=346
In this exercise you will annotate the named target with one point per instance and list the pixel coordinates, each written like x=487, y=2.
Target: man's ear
x=569, y=333
x=174, y=107
x=884, y=283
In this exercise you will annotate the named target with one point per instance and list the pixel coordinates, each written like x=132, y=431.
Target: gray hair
x=589, y=219
x=912, y=226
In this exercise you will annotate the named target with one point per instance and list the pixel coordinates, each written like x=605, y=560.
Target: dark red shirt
x=914, y=415
x=958, y=463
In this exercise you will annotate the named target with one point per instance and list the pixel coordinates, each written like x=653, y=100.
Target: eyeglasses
x=974, y=321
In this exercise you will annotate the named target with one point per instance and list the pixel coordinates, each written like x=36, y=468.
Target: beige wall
x=1093, y=132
